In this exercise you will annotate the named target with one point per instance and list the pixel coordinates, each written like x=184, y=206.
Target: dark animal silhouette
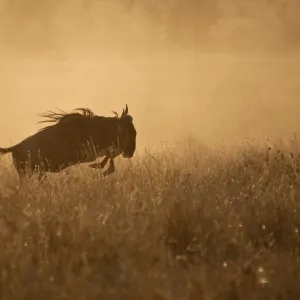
x=77, y=137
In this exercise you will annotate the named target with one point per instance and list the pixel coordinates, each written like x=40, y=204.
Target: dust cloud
x=221, y=71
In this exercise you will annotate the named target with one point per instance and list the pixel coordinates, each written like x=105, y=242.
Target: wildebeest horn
x=126, y=110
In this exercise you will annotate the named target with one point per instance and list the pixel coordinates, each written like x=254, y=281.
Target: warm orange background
x=222, y=71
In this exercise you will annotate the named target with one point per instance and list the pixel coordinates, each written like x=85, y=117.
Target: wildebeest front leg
x=111, y=168
x=100, y=165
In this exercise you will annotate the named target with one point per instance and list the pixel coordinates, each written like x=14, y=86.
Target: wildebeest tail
x=4, y=151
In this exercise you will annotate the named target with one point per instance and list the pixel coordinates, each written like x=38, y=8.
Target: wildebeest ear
x=126, y=110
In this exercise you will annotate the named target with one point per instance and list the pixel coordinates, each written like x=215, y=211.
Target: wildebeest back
x=72, y=140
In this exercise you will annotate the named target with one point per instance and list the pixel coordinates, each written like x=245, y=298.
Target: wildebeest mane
x=60, y=115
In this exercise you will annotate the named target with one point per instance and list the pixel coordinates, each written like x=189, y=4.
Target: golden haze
x=221, y=72
x=183, y=223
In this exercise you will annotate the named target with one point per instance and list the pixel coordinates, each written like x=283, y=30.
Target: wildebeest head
x=126, y=134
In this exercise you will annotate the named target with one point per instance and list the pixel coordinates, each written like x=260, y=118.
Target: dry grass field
x=180, y=223
x=183, y=222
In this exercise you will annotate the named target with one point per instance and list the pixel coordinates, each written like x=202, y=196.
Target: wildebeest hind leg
x=111, y=168
x=19, y=167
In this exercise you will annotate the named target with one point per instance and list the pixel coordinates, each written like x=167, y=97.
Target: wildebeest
x=76, y=137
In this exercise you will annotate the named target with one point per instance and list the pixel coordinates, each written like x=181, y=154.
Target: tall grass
x=176, y=224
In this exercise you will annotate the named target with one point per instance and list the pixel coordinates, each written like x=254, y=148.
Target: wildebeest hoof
x=96, y=166
x=107, y=172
